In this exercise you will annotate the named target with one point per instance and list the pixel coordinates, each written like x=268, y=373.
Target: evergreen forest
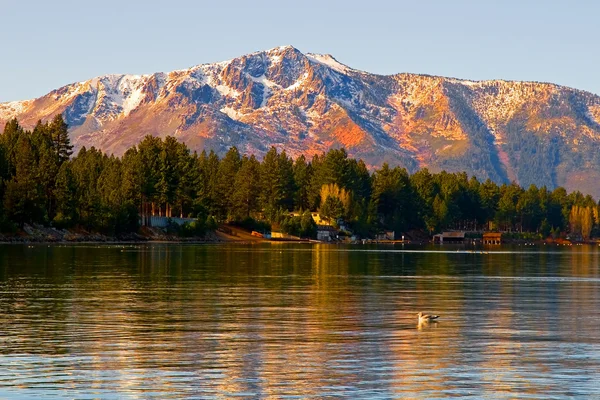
x=43, y=182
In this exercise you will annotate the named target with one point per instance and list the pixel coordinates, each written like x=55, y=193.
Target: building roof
x=454, y=235
x=326, y=228
x=492, y=234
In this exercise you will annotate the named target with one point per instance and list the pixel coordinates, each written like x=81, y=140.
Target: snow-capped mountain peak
x=307, y=103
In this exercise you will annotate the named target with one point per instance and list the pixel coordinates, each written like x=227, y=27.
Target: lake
x=298, y=321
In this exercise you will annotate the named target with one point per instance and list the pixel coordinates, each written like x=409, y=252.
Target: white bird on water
x=424, y=319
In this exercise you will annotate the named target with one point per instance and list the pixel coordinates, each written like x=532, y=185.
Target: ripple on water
x=310, y=321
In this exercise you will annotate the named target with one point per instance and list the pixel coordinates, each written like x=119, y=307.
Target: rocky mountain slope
x=307, y=103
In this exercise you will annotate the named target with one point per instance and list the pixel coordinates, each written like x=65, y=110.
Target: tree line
x=42, y=182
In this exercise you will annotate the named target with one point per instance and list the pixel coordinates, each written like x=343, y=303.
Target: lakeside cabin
x=449, y=237
x=386, y=235
x=492, y=238
x=326, y=233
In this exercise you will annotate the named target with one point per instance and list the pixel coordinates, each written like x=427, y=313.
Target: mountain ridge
x=529, y=132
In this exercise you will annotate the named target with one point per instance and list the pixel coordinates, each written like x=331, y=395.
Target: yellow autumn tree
x=581, y=220
x=335, y=201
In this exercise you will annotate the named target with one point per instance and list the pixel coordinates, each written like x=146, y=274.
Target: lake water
x=276, y=321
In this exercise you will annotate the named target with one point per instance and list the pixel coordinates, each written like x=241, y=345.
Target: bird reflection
x=427, y=325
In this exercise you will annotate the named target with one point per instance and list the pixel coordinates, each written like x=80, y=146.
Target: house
x=386, y=235
x=492, y=238
x=326, y=233
x=342, y=225
x=449, y=237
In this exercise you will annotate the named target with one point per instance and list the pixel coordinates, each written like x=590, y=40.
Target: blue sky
x=49, y=44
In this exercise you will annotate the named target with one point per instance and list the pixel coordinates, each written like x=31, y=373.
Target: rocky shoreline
x=42, y=234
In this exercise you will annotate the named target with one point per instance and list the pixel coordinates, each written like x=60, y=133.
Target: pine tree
x=133, y=179
x=392, y=197
x=47, y=165
x=440, y=212
x=528, y=209
x=336, y=168
x=206, y=184
x=168, y=174
x=272, y=192
x=247, y=189
x=506, y=213
x=316, y=182
x=425, y=189
x=9, y=139
x=277, y=183
x=228, y=168
x=186, y=188
x=22, y=201
x=302, y=177
x=59, y=131
x=286, y=181
x=65, y=191
x=87, y=168
x=149, y=158
x=360, y=180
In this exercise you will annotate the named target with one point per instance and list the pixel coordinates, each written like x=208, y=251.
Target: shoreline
x=114, y=241
x=140, y=242
x=46, y=236
x=37, y=234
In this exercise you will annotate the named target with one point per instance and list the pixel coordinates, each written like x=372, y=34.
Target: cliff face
x=307, y=103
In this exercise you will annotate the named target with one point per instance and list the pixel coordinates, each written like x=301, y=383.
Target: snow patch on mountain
x=132, y=89
x=268, y=87
x=328, y=60
x=13, y=108
x=226, y=91
x=298, y=83
x=232, y=113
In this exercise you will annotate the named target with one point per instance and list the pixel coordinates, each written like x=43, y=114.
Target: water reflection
x=269, y=321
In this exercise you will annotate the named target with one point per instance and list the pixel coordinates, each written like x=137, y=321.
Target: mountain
x=307, y=103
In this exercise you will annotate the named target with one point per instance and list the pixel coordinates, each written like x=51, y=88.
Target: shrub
x=191, y=229
x=61, y=221
x=211, y=224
